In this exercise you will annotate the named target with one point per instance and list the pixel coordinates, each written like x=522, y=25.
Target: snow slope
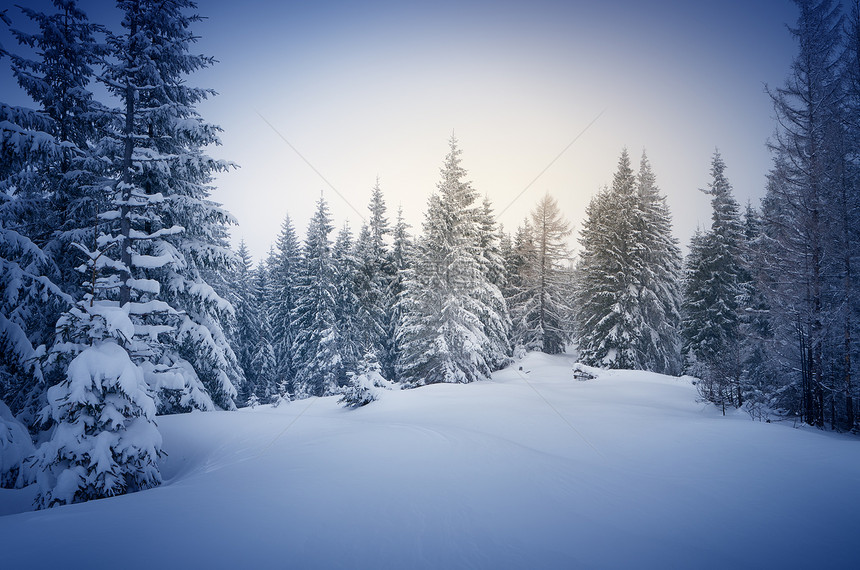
x=529, y=470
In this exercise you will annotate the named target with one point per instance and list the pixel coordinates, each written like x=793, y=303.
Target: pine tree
x=246, y=332
x=627, y=302
x=659, y=301
x=348, y=316
x=375, y=272
x=538, y=301
x=607, y=298
x=104, y=440
x=713, y=292
x=284, y=268
x=402, y=251
x=167, y=230
x=801, y=206
x=442, y=331
x=47, y=200
x=269, y=385
x=315, y=348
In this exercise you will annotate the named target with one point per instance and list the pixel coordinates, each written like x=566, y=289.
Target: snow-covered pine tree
x=848, y=232
x=168, y=231
x=267, y=385
x=246, y=331
x=539, y=303
x=284, y=270
x=497, y=318
x=350, y=328
x=659, y=304
x=47, y=198
x=315, y=348
x=627, y=302
x=441, y=335
x=607, y=296
x=760, y=375
x=59, y=82
x=103, y=437
x=801, y=211
x=520, y=256
x=375, y=271
x=402, y=252
x=713, y=290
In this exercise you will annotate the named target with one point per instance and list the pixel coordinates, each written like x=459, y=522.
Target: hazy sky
x=376, y=89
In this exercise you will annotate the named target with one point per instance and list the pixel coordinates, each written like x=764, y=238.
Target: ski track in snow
x=530, y=470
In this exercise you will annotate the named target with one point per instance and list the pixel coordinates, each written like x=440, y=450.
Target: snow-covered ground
x=530, y=470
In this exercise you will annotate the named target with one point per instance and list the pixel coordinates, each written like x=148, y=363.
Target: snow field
x=530, y=470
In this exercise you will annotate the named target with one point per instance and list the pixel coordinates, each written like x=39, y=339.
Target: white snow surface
x=531, y=469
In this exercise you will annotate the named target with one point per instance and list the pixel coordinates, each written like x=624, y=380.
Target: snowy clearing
x=530, y=470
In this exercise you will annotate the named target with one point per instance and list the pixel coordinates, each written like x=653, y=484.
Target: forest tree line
x=121, y=298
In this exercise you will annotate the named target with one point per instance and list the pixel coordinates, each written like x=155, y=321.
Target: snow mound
x=531, y=469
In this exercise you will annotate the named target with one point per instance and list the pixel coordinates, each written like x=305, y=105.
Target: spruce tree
x=627, y=300
x=713, y=292
x=48, y=199
x=167, y=230
x=375, y=273
x=659, y=298
x=316, y=358
x=444, y=319
x=607, y=296
x=800, y=212
x=539, y=303
x=352, y=346
x=284, y=268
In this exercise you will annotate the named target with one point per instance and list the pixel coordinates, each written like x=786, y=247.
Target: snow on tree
x=375, y=272
x=58, y=81
x=103, y=437
x=284, y=269
x=347, y=315
x=15, y=447
x=365, y=385
x=496, y=316
x=249, y=335
x=46, y=195
x=105, y=441
x=444, y=322
x=659, y=308
x=537, y=295
x=627, y=301
x=168, y=232
x=315, y=347
x=802, y=221
x=713, y=292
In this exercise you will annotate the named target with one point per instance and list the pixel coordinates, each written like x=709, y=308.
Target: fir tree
x=315, y=348
x=104, y=440
x=713, y=291
x=539, y=299
x=627, y=300
x=284, y=268
x=47, y=198
x=348, y=316
x=444, y=317
x=167, y=230
x=375, y=272
x=800, y=210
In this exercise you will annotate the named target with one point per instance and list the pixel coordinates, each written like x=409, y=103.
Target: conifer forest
x=123, y=301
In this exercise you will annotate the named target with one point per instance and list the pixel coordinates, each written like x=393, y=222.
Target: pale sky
x=375, y=89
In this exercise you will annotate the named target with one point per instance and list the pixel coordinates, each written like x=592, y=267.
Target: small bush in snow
x=364, y=388
x=105, y=441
